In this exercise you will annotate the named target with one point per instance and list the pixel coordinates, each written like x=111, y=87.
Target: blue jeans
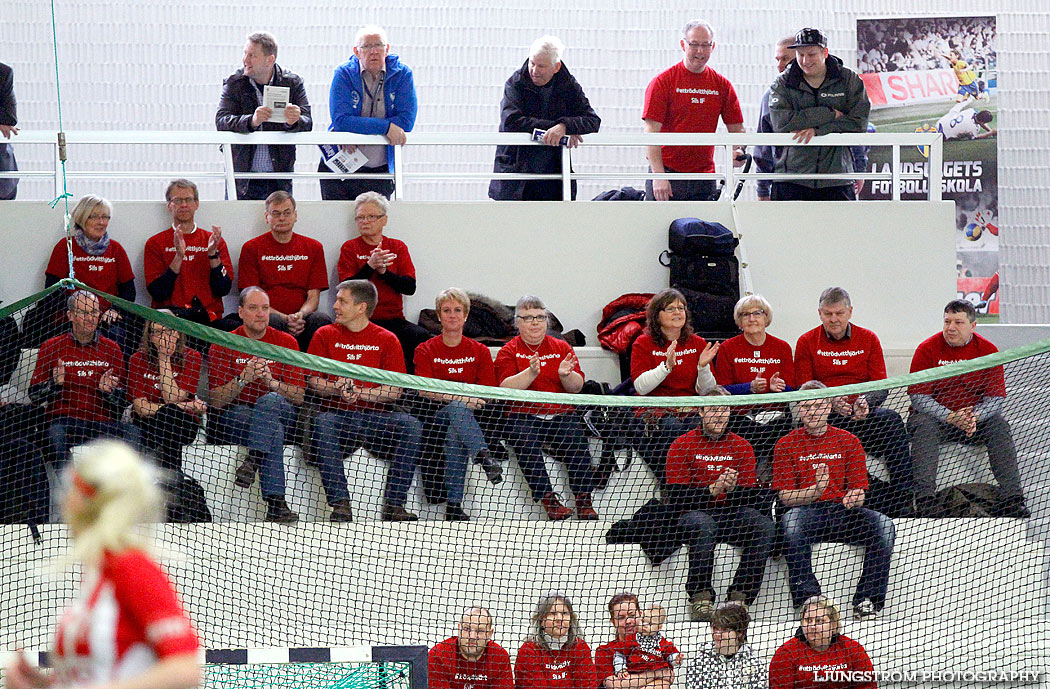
x=564, y=437
x=65, y=432
x=262, y=428
x=463, y=441
x=742, y=527
x=826, y=521
x=397, y=432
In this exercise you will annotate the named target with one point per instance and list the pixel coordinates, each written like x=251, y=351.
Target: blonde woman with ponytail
x=125, y=628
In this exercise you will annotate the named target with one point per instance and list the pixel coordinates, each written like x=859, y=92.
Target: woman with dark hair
x=727, y=661
x=99, y=262
x=162, y=385
x=554, y=656
x=669, y=360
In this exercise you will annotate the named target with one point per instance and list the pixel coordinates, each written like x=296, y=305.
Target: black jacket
x=8, y=116
x=236, y=107
x=525, y=107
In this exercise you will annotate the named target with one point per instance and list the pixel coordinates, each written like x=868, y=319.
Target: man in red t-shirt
x=711, y=487
x=255, y=402
x=471, y=660
x=80, y=377
x=689, y=97
x=967, y=408
x=819, y=655
x=357, y=413
x=838, y=352
x=188, y=269
x=290, y=268
x=820, y=475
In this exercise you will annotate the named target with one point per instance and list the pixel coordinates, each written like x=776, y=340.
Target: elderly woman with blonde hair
x=125, y=626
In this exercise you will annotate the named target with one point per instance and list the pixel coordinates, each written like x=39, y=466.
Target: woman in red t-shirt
x=162, y=385
x=669, y=360
x=125, y=624
x=754, y=363
x=99, y=262
x=554, y=656
x=385, y=262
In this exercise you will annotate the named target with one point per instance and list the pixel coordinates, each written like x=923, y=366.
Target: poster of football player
x=939, y=74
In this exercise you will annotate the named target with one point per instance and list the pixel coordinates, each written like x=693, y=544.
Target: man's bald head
x=475, y=632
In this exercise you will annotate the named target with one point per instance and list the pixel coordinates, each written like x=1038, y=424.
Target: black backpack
x=186, y=501
x=704, y=267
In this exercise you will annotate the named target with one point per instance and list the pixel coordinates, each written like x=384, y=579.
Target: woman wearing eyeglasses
x=536, y=361
x=752, y=363
x=99, y=262
x=669, y=360
x=386, y=263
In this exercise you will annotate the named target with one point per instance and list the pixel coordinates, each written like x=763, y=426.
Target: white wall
x=578, y=257
x=145, y=65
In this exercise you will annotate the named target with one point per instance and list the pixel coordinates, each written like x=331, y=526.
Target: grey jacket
x=794, y=105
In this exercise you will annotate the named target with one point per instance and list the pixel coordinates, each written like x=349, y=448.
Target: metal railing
x=403, y=170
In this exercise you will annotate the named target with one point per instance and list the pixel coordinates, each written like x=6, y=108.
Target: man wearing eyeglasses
x=689, y=97
x=290, y=268
x=242, y=109
x=816, y=95
x=372, y=93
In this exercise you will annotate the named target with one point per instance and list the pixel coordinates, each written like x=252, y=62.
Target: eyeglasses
x=673, y=309
x=694, y=45
x=99, y=216
x=283, y=214
x=753, y=314
x=532, y=319
x=369, y=47
x=368, y=218
x=182, y=200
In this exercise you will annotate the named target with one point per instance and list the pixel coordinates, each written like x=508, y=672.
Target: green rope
x=65, y=195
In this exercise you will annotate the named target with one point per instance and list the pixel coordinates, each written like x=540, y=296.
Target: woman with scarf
x=554, y=656
x=100, y=263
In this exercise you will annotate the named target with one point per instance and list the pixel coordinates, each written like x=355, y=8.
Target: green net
x=307, y=676
x=938, y=573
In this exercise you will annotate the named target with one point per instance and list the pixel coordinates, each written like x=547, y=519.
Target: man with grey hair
x=372, y=93
x=471, y=659
x=689, y=97
x=242, y=109
x=838, y=352
x=540, y=95
x=80, y=380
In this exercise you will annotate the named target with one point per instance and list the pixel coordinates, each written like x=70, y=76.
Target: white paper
x=276, y=98
x=346, y=161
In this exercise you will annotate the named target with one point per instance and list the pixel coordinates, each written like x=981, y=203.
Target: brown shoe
x=555, y=510
x=584, y=509
x=341, y=512
x=398, y=513
x=246, y=472
x=277, y=511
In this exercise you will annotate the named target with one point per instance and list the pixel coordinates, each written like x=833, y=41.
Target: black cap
x=810, y=37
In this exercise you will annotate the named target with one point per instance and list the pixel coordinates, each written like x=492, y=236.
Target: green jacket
x=794, y=105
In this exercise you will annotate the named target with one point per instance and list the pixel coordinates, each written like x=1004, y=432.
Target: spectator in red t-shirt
x=162, y=385
x=838, y=352
x=711, y=488
x=80, y=379
x=967, y=408
x=470, y=660
x=648, y=649
x=255, y=402
x=625, y=615
x=290, y=268
x=689, y=97
x=819, y=655
x=669, y=360
x=384, y=262
x=554, y=656
x=451, y=356
x=537, y=361
x=755, y=363
x=178, y=276
x=820, y=474
x=100, y=262
x=358, y=413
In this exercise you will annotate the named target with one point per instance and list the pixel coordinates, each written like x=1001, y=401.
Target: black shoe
x=246, y=471
x=454, y=513
x=1013, y=507
x=277, y=511
x=398, y=513
x=492, y=468
x=341, y=512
